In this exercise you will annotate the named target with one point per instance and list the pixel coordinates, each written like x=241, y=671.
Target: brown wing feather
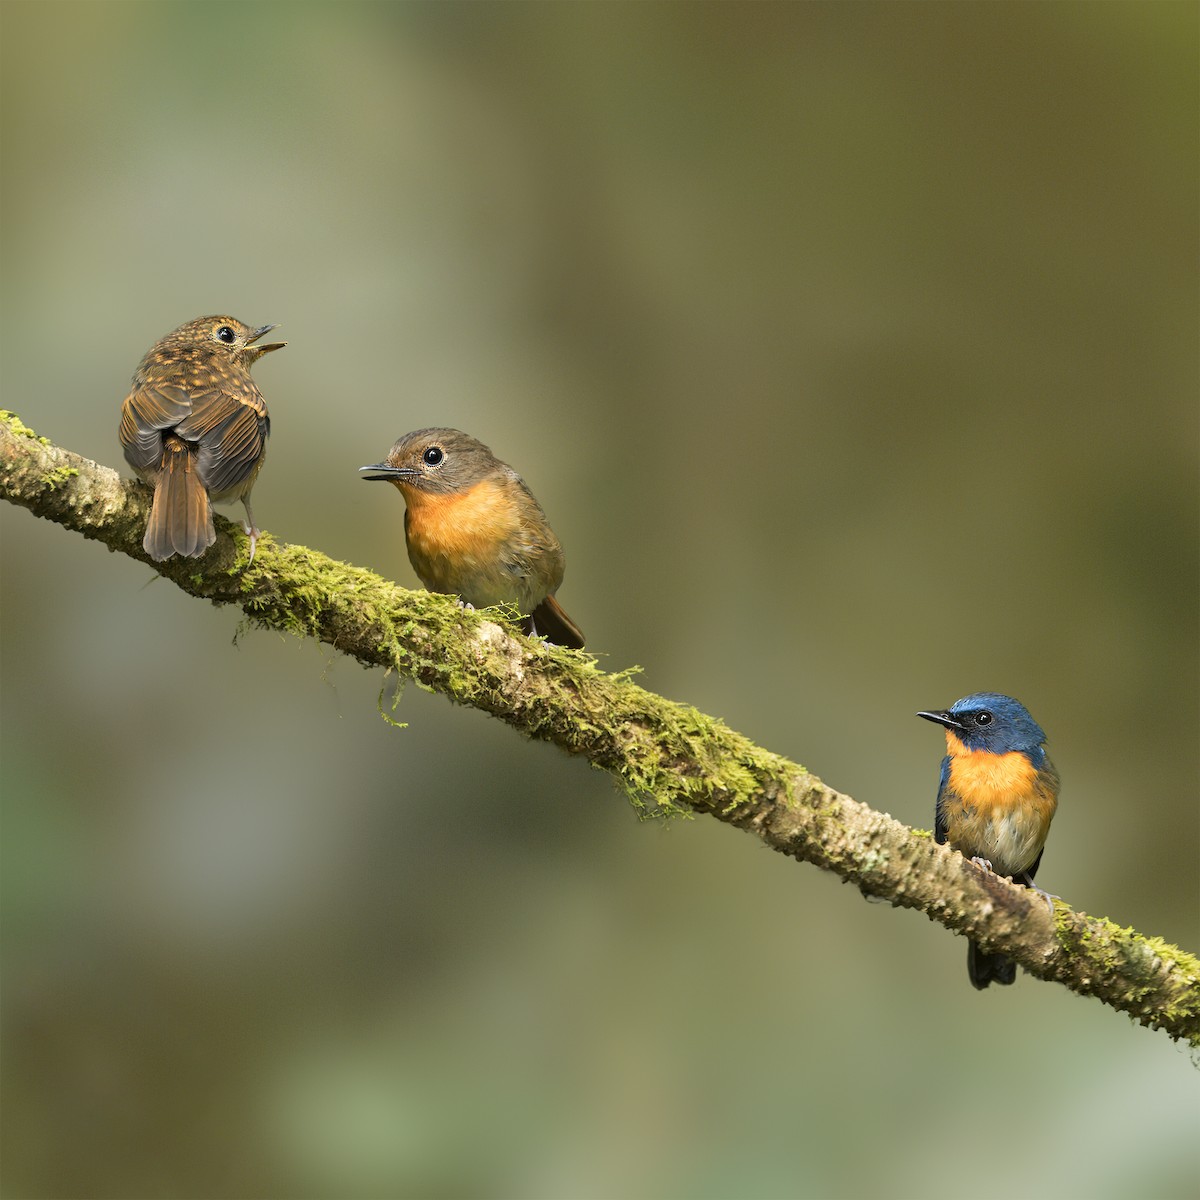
x=232, y=434
x=147, y=411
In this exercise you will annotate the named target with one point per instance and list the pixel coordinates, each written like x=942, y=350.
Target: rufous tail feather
x=181, y=518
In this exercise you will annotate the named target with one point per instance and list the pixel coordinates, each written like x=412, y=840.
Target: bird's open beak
x=941, y=718
x=259, y=351
x=387, y=471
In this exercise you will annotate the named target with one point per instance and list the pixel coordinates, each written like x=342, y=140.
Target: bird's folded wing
x=231, y=434
x=147, y=411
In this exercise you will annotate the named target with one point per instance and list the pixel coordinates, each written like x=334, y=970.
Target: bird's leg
x=1049, y=897
x=1023, y=879
x=248, y=525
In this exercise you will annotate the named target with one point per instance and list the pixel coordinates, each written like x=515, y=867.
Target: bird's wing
x=231, y=430
x=147, y=411
x=533, y=550
x=939, y=824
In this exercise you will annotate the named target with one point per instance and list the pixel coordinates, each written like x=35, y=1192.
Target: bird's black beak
x=388, y=472
x=259, y=351
x=941, y=718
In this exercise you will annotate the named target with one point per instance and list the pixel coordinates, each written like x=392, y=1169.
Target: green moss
x=19, y=428
x=673, y=757
x=397, y=695
x=56, y=478
x=626, y=675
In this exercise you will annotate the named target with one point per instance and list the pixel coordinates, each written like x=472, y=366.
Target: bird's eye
x=226, y=334
x=983, y=718
x=432, y=456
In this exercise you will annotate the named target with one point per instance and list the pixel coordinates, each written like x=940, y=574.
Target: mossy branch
x=666, y=756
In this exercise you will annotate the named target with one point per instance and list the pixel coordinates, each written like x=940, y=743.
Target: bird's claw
x=1049, y=897
x=1024, y=881
x=252, y=530
x=252, y=534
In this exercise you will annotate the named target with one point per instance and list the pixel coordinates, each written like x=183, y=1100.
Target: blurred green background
x=851, y=350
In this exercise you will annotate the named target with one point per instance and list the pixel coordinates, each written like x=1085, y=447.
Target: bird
x=194, y=426
x=996, y=798
x=474, y=529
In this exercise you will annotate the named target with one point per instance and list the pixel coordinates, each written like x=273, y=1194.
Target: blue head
x=993, y=723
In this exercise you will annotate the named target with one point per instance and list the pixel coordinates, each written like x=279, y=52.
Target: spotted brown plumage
x=194, y=426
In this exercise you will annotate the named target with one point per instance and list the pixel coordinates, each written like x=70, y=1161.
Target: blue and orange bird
x=996, y=799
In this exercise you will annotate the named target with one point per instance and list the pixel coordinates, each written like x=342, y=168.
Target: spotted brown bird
x=474, y=529
x=195, y=428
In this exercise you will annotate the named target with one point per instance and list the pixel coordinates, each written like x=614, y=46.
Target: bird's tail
x=989, y=968
x=181, y=518
x=549, y=620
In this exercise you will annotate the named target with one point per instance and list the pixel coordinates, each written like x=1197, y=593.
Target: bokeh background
x=851, y=349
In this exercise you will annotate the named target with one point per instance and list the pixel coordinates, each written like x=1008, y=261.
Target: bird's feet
x=1023, y=878
x=252, y=530
x=252, y=534
x=1049, y=897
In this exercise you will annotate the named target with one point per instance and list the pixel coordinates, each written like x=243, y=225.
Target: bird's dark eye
x=432, y=456
x=226, y=334
x=983, y=718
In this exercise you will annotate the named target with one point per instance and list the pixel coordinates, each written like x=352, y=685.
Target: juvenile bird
x=195, y=428
x=996, y=799
x=474, y=529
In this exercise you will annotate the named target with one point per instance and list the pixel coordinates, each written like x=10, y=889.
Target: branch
x=663, y=754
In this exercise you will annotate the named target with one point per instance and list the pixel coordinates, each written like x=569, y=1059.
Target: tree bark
x=668, y=757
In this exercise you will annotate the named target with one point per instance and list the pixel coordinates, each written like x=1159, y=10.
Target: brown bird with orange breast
x=195, y=428
x=475, y=530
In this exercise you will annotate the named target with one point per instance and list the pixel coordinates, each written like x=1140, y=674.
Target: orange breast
x=997, y=806
x=989, y=781
x=457, y=542
x=472, y=523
